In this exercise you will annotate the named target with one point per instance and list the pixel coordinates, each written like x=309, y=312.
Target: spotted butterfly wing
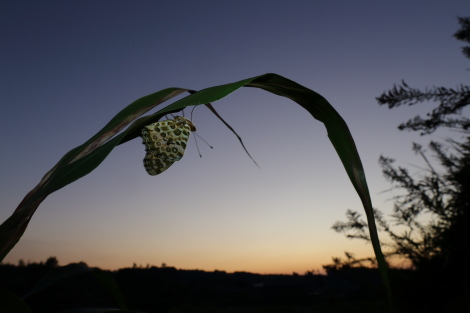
x=165, y=143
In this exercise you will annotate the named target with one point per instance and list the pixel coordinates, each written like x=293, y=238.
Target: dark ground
x=168, y=290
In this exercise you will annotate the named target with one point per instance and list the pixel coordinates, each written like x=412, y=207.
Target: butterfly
x=165, y=143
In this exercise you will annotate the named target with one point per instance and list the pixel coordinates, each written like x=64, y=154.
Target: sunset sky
x=67, y=67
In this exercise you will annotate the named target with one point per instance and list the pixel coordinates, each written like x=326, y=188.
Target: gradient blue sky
x=66, y=67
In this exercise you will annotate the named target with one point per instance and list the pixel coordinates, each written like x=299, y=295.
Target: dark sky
x=66, y=67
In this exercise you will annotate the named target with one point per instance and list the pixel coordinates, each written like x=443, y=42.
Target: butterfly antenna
x=204, y=141
x=197, y=146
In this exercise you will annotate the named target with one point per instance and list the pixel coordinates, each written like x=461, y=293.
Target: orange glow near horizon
x=270, y=263
x=268, y=260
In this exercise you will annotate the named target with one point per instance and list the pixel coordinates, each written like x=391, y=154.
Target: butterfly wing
x=155, y=165
x=165, y=143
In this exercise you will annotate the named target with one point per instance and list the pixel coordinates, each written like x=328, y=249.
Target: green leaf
x=62, y=174
x=85, y=158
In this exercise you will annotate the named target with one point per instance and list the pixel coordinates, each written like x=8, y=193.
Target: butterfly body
x=165, y=143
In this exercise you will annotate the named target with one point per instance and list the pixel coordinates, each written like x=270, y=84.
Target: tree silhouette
x=432, y=213
x=430, y=223
x=51, y=262
x=452, y=100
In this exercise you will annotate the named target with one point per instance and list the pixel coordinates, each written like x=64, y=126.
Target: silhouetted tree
x=51, y=262
x=430, y=223
x=452, y=100
x=442, y=197
x=431, y=213
x=464, y=34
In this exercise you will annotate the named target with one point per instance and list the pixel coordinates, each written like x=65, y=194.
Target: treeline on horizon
x=53, y=262
x=167, y=289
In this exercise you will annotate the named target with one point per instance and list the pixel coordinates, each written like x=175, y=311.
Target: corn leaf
x=85, y=158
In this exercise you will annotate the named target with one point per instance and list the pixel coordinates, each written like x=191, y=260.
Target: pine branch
x=452, y=101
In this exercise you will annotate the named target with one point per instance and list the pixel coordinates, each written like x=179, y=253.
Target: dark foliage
x=463, y=34
x=451, y=100
x=432, y=212
x=167, y=289
x=430, y=227
x=430, y=223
